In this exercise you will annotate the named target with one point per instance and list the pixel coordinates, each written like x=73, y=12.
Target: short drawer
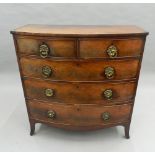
x=111, y=48
x=84, y=93
x=84, y=70
x=79, y=115
x=43, y=47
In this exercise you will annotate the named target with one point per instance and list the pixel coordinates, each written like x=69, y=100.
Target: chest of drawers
x=79, y=77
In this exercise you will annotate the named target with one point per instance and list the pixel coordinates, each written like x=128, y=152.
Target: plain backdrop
x=14, y=125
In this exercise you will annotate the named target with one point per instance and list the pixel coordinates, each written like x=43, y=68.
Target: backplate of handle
x=51, y=114
x=112, y=51
x=44, y=50
x=106, y=116
x=49, y=92
x=109, y=72
x=108, y=94
x=46, y=71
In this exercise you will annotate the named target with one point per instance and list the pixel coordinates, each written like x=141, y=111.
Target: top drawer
x=45, y=47
x=105, y=48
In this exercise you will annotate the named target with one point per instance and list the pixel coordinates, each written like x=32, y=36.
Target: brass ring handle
x=109, y=72
x=112, y=51
x=108, y=94
x=44, y=50
x=49, y=92
x=106, y=116
x=51, y=114
x=46, y=71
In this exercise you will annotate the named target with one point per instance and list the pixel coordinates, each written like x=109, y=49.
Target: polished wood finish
x=58, y=48
x=93, y=48
x=79, y=115
x=84, y=93
x=76, y=94
x=80, y=30
x=80, y=70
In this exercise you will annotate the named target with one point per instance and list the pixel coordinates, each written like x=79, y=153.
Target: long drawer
x=80, y=70
x=79, y=115
x=84, y=93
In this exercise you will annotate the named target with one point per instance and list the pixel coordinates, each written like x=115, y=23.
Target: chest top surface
x=80, y=30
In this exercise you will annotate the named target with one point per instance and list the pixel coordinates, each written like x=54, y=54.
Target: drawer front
x=80, y=115
x=80, y=70
x=39, y=47
x=84, y=93
x=111, y=48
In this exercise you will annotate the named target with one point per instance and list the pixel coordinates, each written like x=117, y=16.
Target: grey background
x=15, y=15
x=14, y=126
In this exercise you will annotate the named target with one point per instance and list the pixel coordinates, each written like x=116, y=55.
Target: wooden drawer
x=56, y=47
x=80, y=70
x=84, y=93
x=98, y=48
x=79, y=115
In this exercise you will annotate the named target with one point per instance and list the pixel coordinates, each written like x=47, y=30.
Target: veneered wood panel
x=82, y=93
x=79, y=115
x=84, y=70
x=58, y=48
x=97, y=48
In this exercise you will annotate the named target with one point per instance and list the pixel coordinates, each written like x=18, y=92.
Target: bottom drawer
x=78, y=115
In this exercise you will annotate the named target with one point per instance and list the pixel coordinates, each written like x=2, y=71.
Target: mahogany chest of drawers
x=79, y=77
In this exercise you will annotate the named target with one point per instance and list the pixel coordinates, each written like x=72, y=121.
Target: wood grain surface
x=78, y=30
x=79, y=115
x=58, y=48
x=97, y=48
x=84, y=70
x=82, y=93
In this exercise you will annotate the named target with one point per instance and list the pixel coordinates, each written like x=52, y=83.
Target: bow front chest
x=79, y=77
